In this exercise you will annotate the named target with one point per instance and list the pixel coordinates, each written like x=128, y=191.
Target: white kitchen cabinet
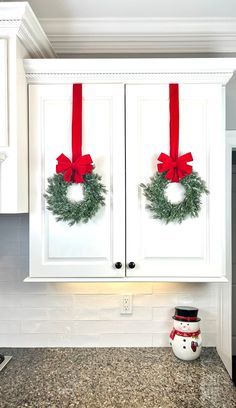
x=82, y=250
x=196, y=247
x=20, y=36
x=3, y=95
x=126, y=127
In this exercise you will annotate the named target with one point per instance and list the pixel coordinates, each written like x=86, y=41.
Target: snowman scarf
x=183, y=334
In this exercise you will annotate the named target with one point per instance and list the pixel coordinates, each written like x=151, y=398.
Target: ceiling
x=132, y=8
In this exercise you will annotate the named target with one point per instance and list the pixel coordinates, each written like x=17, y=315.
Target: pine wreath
x=72, y=211
x=162, y=209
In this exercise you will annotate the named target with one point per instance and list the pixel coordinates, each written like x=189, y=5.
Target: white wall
x=38, y=314
x=133, y=8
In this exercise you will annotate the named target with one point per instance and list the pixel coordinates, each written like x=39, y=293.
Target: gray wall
x=231, y=104
x=234, y=252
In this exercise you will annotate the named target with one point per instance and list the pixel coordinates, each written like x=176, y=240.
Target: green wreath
x=162, y=209
x=71, y=211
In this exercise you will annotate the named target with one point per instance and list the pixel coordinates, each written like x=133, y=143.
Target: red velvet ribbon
x=183, y=334
x=74, y=170
x=175, y=166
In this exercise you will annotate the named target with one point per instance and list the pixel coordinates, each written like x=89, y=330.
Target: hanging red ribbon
x=74, y=170
x=175, y=166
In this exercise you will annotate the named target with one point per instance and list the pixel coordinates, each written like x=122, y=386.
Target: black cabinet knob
x=118, y=265
x=131, y=265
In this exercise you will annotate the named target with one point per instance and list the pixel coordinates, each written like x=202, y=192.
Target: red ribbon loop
x=73, y=171
x=176, y=169
x=175, y=166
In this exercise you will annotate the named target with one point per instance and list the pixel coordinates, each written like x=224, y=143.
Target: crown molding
x=130, y=70
x=141, y=35
x=19, y=19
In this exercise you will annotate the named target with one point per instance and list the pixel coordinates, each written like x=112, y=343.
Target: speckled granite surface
x=111, y=377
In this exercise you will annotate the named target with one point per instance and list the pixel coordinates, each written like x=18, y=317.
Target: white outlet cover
x=126, y=304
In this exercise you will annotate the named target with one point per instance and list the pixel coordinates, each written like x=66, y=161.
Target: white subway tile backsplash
x=8, y=261
x=8, y=274
x=139, y=313
x=10, y=327
x=208, y=326
x=10, y=248
x=189, y=299
x=101, y=300
x=8, y=299
x=43, y=326
x=44, y=300
x=76, y=341
x=162, y=313
x=60, y=314
x=162, y=339
x=125, y=340
x=48, y=340
x=208, y=339
x=87, y=315
x=22, y=313
x=180, y=287
x=25, y=340
x=142, y=300
x=24, y=248
x=131, y=326
x=166, y=313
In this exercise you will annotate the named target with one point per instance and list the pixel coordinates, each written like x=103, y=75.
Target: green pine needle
x=70, y=211
x=166, y=211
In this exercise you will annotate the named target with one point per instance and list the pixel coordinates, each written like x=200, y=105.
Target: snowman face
x=186, y=326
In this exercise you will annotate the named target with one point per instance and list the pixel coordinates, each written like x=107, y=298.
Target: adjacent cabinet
x=125, y=128
x=21, y=37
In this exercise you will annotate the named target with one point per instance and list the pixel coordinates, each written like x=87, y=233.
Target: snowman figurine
x=185, y=338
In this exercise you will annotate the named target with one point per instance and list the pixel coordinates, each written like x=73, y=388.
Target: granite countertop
x=114, y=377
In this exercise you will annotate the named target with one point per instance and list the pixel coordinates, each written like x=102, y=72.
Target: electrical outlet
x=126, y=304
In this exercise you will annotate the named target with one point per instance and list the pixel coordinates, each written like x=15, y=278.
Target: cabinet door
x=194, y=249
x=3, y=94
x=83, y=250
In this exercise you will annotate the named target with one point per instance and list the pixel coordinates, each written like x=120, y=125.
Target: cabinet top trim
x=161, y=70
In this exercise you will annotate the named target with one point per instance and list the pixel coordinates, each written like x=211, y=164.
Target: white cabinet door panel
x=83, y=250
x=194, y=248
x=3, y=94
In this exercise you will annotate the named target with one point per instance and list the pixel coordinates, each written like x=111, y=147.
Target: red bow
x=183, y=334
x=74, y=171
x=176, y=169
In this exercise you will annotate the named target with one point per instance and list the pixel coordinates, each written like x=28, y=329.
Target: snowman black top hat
x=186, y=314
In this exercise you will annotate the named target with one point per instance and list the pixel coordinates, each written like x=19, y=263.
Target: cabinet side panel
x=4, y=140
